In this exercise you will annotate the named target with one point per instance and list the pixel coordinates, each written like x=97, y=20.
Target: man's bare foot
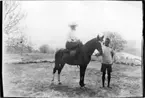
x=109, y=87
x=102, y=87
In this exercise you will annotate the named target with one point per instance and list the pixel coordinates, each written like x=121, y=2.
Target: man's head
x=107, y=42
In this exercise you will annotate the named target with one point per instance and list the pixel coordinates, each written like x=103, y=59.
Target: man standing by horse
x=107, y=61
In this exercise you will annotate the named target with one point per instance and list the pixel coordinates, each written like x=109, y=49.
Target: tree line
x=17, y=42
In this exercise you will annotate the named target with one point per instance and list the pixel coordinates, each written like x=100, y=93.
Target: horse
x=84, y=57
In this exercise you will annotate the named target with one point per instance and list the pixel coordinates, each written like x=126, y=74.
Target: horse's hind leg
x=59, y=71
x=54, y=70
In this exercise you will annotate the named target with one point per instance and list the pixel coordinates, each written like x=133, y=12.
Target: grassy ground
x=34, y=80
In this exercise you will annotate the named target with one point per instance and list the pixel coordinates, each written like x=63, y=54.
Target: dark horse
x=61, y=57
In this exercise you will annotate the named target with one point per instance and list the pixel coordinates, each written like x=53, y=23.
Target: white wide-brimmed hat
x=73, y=25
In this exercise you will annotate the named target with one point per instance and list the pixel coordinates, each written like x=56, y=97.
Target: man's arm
x=113, y=55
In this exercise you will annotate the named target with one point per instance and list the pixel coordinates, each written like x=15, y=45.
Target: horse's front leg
x=82, y=75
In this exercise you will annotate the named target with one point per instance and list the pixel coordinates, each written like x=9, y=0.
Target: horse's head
x=100, y=39
x=95, y=43
x=98, y=44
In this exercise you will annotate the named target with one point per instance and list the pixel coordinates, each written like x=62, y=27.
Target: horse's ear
x=98, y=37
x=102, y=37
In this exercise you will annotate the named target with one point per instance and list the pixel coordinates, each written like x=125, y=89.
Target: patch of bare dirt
x=34, y=80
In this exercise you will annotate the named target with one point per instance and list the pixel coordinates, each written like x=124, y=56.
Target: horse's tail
x=58, y=58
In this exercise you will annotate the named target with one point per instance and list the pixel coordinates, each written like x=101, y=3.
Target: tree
x=117, y=42
x=44, y=48
x=29, y=47
x=17, y=44
x=12, y=16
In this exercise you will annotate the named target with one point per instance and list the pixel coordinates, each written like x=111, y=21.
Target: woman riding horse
x=62, y=57
x=73, y=44
x=84, y=56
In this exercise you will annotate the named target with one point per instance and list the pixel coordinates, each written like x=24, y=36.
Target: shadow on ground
x=35, y=80
x=86, y=91
x=73, y=91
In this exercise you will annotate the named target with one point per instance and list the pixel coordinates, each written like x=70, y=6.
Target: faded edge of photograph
x=1, y=74
x=143, y=50
x=40, y=37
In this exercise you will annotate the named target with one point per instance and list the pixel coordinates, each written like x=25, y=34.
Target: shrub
x=46, y=49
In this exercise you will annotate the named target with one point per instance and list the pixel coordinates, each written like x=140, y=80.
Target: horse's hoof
x=82, y=85
x=59, y=83
x=52, y=81
x=83, y=88
x=109, y=87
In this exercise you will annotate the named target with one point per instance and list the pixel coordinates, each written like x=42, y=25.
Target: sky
x=47, y=21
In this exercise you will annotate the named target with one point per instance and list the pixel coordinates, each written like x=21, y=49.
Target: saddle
x=73, y=47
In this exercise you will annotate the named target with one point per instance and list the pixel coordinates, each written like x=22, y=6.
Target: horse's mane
x=90, y=41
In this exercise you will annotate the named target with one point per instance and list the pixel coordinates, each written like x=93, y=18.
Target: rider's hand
x=97, y=54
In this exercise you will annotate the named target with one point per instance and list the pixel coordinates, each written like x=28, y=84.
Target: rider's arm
x=98, y=54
